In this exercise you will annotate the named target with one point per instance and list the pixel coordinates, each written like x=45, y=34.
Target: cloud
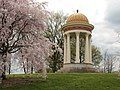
x=105, y=38
x=103, y=14
x=113, y=12
x=104, y=34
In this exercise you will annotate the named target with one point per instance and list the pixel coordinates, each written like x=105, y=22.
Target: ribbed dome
x=77, y=18
x=77, y=21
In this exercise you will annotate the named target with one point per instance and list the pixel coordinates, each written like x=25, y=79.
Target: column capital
x=68, y=34
x=87, y=34
x=77, y=33
x=90, y=35
x=64, y=35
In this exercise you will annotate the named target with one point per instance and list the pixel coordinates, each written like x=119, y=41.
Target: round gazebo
x=77, y=24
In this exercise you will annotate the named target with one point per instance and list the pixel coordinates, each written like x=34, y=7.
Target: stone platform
x=77, y=67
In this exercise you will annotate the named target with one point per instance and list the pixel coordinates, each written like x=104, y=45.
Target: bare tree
x=55, y=35
x=109, y=61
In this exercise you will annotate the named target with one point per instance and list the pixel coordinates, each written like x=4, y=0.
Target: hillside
x=81, y=81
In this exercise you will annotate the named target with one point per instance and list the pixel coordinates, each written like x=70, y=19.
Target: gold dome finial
x=77, y=10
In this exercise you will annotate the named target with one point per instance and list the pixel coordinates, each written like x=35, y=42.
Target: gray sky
x=103, y=14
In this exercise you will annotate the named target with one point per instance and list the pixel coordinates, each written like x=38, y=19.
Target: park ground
x=74, y=81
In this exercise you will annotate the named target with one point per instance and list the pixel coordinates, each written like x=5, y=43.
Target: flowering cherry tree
x=33, y=57
x=22, y=25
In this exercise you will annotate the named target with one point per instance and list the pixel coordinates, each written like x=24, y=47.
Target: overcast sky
x=103, y=14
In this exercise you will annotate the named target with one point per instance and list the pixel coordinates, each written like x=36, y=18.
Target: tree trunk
x=44, y=72
x=32, y=67
x=32, y=70
x=9, y=69
x=27, y=66
x=4, y=68
x=4, y=56
x=4, y=72
x=24, y=69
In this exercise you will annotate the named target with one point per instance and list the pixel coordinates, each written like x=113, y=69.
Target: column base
x=77, y=61
x=90, y=63
x=77, y=68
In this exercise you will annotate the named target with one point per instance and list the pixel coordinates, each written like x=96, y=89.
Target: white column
x=68, y=48
x=86, y=50
x=90, y=48
x=77, y=48
x=65, y=43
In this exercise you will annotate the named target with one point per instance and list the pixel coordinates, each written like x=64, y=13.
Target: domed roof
x=77, y=21
x=77, y=18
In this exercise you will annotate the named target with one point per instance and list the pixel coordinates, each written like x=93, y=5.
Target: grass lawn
x=77, y=81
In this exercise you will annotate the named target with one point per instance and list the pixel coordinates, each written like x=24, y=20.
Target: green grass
x=80, y=81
